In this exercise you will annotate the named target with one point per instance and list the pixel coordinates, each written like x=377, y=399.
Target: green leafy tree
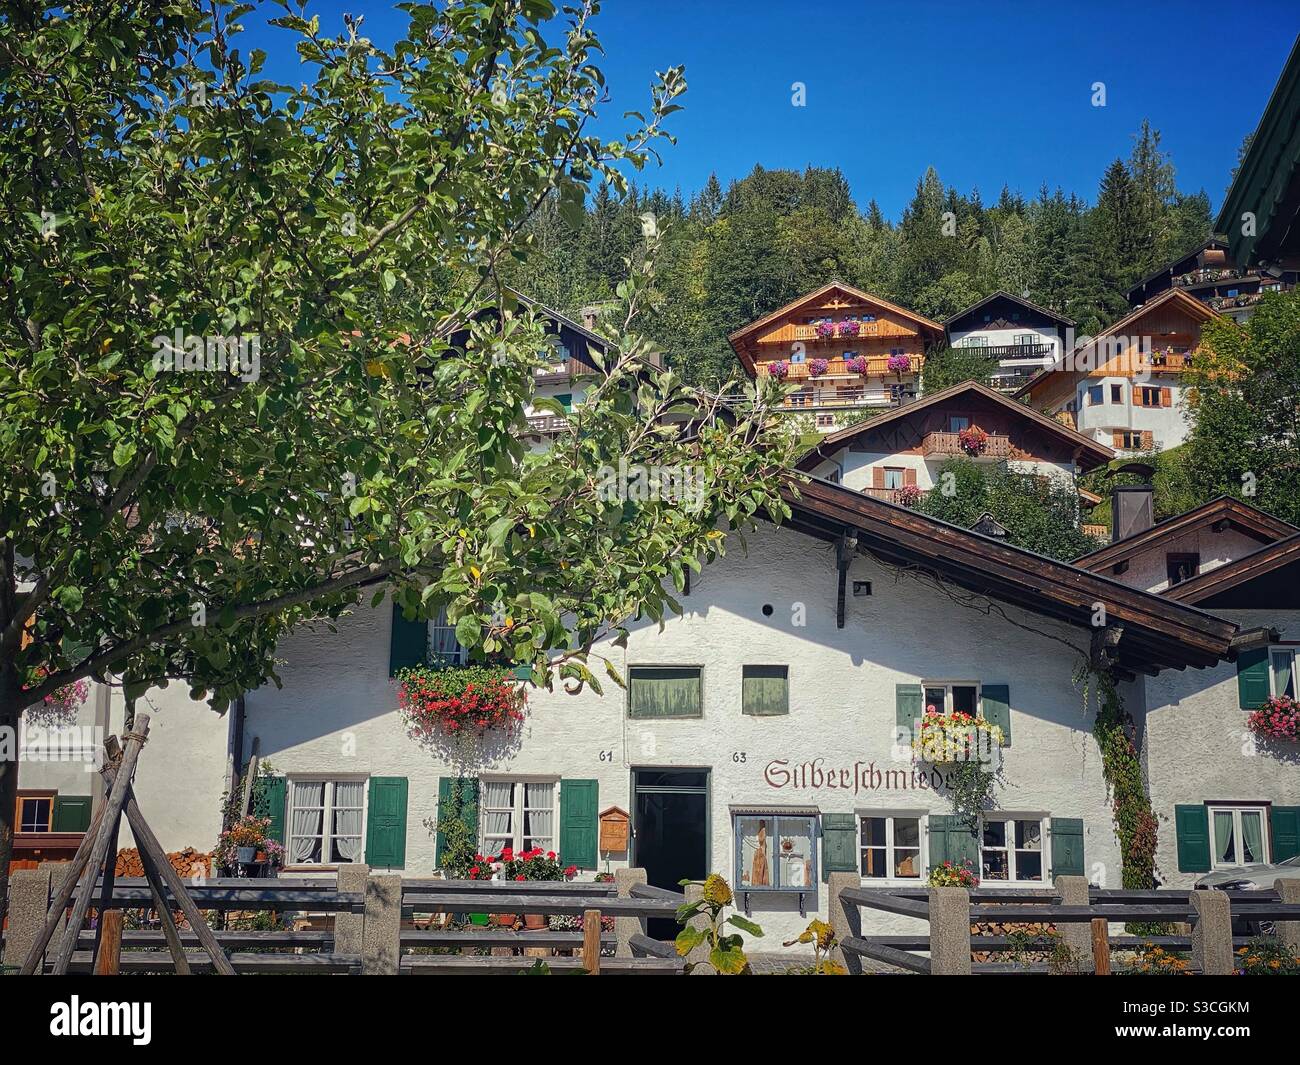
x=163, y=518
x=1039, y=513
x=1245, y=397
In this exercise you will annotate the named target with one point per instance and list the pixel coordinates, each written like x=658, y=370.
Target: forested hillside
x=733, y=255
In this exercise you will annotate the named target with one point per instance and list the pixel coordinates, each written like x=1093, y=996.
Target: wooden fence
x=1085, y=918
x=374, y=924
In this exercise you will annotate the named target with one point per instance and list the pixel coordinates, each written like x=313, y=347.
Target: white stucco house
x=763, y=734
x=1019, y=337
x=1225, y=797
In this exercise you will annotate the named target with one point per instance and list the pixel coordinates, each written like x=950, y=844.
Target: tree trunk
x=9, y=716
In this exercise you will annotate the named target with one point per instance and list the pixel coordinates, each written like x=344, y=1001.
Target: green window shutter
x=907, y=707
x=1067, y=846
x=995, y=706
x=765, y=690
x=409, y=643
x=1252, y=678
x=71, y=813
x=386, y=823
x=1192, y=827
x=270, y=795
x=839, y=844
x=952, y=840
x=468, y=810
x=1285, y=824
x=664, y=691
x=579, y=819
x=565, y=400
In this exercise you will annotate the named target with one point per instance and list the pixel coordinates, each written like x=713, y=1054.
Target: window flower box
x=459, y=701
x=857, y=364
x=909, y=495
x=825, y=330
x=899, y=364
x=949, y=739
x=849, y=328
x=973, y=440
x=949, y=875
x=778, y=370
x=1277, y=719
x=817, y=367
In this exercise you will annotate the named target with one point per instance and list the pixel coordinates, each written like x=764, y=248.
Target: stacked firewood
x=1008, y=928
x=187, y=863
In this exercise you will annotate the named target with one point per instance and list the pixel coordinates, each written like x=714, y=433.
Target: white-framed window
x=1011, y=849
x=948, y=697
x=326, y=820
x=519, y=814
x=1238, y=835
x=889, y=846
x=895, y=477
x=1282, y=671
x=444, y=648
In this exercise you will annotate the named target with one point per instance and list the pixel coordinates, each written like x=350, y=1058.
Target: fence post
x=591, y=942
x=950, y=931
x=1073, y=891
x=349, y=928
x=846, y=920
x=627, y=927
x=1288, y=892
x=381, y=935
x=29, y=900
x=1100, y=946
x=1212, y=933
x=699, y=957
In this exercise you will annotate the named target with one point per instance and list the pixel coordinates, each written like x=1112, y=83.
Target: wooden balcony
x=877, y=366
x=817, y=399
x=1010, y=351
x=997, y=447
x=865, y=329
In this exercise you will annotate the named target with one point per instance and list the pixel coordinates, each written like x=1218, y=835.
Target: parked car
x=1251, y=878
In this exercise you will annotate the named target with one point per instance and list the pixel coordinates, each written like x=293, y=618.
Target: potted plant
x=825, y=329
x=899, y=364
x=973, y=440
x=817, y=367
x=950, y=875
x=60, y=706
x=535, y=864
x=459, y=700
x=849, y=328
x=778, y=370
x=246, y=842
x=1277, y=719
x=856, y=364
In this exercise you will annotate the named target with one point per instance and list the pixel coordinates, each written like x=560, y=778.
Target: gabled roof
x=1077, y=441
x=1193, y=306
x=1268, y=559
x=1225, y=509
x=735, y=338
x=1173, y=266
x=1154, y=632
x=1003, y=294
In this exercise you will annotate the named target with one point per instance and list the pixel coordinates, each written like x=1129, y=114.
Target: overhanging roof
x=1005, y=295
x=1267, y=184
x=1172, y=267
x=737, y=338
x=1232, y=512
x=1077, y=441
x=1157, y=633
x=1268, y=559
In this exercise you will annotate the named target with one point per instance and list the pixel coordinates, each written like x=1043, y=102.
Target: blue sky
x=990, y=94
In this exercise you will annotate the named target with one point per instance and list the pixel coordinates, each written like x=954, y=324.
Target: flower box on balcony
x=817, y=367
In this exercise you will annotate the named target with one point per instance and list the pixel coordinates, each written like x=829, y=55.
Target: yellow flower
x=717, y=891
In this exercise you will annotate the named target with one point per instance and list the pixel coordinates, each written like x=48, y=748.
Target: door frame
x=707, y=791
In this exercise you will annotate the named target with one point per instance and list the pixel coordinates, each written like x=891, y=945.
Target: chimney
x=1132, y=509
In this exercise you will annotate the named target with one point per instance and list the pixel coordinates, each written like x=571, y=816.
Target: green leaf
x=729, y=961
x=687, y=940
x=70, y=598
x=744, y=924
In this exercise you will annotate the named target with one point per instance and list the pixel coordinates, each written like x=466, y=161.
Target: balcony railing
x=996, y=447
x=1011, y=351
x=865, y=329
x=816, y=399
x=889, y=495
x=877, y=366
